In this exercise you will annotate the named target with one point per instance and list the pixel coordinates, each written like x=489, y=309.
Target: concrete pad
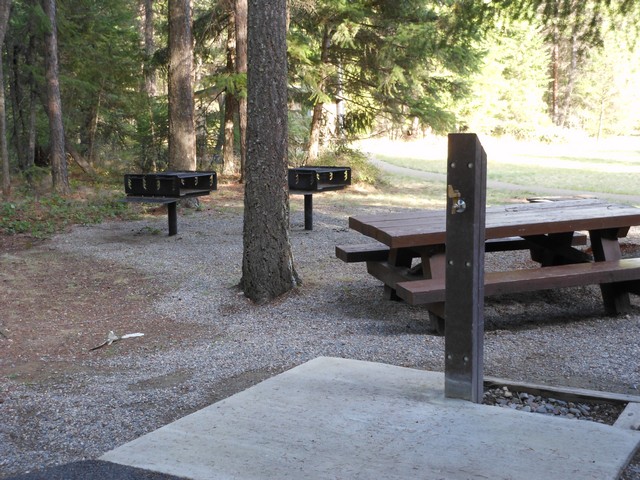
x=630, y=417
x=346, y=419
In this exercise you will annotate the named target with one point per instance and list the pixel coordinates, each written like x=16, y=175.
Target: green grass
x=403, y=191
x=47, y=215
x=584, y=166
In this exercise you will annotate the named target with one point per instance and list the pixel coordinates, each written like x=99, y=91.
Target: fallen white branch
x=112, y=337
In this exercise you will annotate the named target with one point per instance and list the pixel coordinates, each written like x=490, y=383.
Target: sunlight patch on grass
x=407, y=192
x=568, y=163
x=611, y=166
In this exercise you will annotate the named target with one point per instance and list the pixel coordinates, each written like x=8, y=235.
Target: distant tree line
x=401, y=67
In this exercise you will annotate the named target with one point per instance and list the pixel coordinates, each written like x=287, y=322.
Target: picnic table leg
x=434, y=266
x=554, y=249
x=436, y=317
x=397, y=258
x=172, y=213
x=606, y=246
x=308, y=211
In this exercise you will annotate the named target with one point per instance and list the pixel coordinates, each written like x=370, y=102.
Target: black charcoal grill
x=309, y=180
x=170, y=184
x=318, y=179
x=167, y=188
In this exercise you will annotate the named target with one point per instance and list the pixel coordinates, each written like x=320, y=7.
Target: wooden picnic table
x=548, y=229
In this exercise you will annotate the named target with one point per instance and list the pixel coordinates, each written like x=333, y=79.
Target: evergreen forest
x=537, y=70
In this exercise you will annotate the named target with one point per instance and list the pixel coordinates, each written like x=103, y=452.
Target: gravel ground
x=554, y=337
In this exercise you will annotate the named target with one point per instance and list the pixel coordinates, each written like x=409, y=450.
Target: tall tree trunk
x=229, y=166
x=5, y=8
x=54, y=105
x=340, y=108
x=29, y=160
x=150, y=80
x=16, y=97
x=230, y=105
x=555, y=64
x=241, y=67
x=182, y=133
x=571, y=78
x=601, y=116
x=92, y=129
x=267, y=267
x=150, y=87
x=31, y=143
x=220, y=137
x=313, y=147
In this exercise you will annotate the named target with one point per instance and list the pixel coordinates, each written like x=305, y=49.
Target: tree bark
x=16, y=97
x=150, y=84
x=228, y=155
x=267, y=267
x=54, y=105
x=92, y=129
x=241, y=67
x=182, y=133
x=82, y=163
x=5, y=8
x=313, y=147
x=571, y=78
x=29, y=160
x=31, y=135
x=230, y=105
x=555, y=65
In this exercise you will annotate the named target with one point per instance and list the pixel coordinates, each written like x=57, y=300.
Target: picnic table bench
x=551, y=231
x=377, y=251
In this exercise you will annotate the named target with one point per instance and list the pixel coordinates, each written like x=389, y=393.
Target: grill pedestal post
x=172, y=213
x=308, y=211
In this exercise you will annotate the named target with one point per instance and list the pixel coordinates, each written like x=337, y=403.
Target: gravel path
x=554, y=337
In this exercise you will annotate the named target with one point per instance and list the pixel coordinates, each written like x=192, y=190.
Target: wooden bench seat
x=378, y=252
x=362, y=252
x=519, y=243
x=420, y=292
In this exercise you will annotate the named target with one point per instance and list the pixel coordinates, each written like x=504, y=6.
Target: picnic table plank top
x=428, y=227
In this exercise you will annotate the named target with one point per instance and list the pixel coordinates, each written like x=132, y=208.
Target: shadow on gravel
x=93, y=469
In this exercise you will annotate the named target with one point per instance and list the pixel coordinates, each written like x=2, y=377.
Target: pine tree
x=267, y=268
